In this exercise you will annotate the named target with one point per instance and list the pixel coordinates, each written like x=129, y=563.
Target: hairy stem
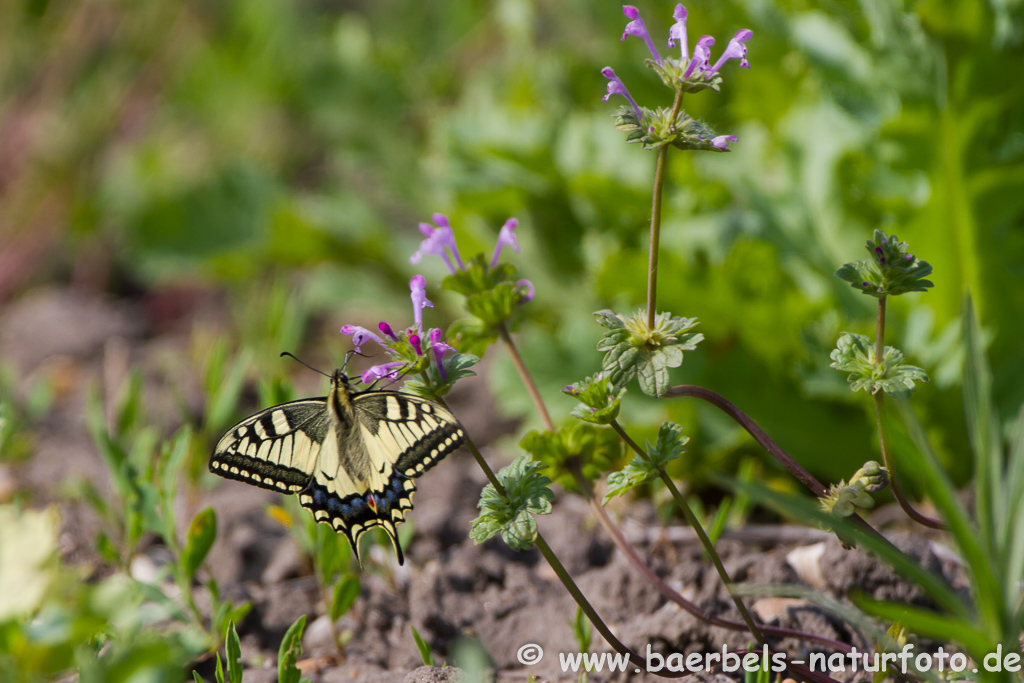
x=805, y=477
x=653, y=249
x=524, y=374
x=894, y=482
x=698, y=528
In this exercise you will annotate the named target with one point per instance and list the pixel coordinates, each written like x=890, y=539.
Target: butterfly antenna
x=292, y=356
x=348, y=357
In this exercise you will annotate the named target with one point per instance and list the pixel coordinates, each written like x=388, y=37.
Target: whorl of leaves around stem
x=657, y=128
x=855, y=354
x=632, y=349
x=526, y=494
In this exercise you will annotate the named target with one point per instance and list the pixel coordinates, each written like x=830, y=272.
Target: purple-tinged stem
x=805, y=477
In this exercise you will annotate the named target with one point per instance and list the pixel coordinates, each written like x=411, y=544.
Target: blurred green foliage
x=238, y=141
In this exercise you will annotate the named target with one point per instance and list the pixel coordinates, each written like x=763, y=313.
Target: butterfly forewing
x=276, y=448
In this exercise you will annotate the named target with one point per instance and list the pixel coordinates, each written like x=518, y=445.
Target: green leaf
x=218, y=673
x=197, y=677
x=582, y=630
x=234, y=653
x=201, y=534
x=345, y=594
x=425, y=654
x=855, y=354
x=580, y=447
x=526, y=494
x=106, y=549
x=983, y=429
x=642, y=469
x=288, y=653
x=988, y=596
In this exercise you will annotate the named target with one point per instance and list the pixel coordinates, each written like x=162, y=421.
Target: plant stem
x=880, y=332
x=524, y=374
x=602, y=628
x=671, y=594
x=698, y=528
x=726, y=406
x=890, y=465
x=652, y=256
x=805, y=477
x=894, y=482
x=565, y=578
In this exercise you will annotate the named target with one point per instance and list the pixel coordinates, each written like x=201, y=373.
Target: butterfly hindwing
x=276, y=448
x=364, y=476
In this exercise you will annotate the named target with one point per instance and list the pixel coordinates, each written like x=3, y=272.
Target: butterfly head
x=340, y=380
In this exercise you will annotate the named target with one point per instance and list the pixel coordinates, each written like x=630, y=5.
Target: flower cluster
x=440, y=241
x=692, y=72
x=411, y=347
x=843, y=499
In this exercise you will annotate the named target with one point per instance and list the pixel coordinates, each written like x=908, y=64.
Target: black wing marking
x=276, y=448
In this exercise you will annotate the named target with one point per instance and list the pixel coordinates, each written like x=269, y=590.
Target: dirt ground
x=449, y=589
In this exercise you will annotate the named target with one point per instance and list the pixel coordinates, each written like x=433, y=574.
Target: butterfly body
x=350, y=456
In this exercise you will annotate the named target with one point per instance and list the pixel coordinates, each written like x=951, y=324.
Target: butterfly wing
x=276, y=448
x=364, y=476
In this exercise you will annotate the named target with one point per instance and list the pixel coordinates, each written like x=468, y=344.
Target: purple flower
x=360, y=335
x=528, y=296
x=637, y=28
x=506, y=238
x=385, y=329
x=722, y=142
x=418, y=289
x=414, y=341
x=439, y=348
x=615, y=87
x=389, y=370
x=440, y=241
x=701, y=57
x=678, y=32
x=736, y=49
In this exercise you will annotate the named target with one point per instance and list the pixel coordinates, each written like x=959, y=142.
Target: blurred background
x=248, y=176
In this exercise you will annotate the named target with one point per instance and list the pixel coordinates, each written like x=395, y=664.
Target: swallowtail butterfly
x=351, y=456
